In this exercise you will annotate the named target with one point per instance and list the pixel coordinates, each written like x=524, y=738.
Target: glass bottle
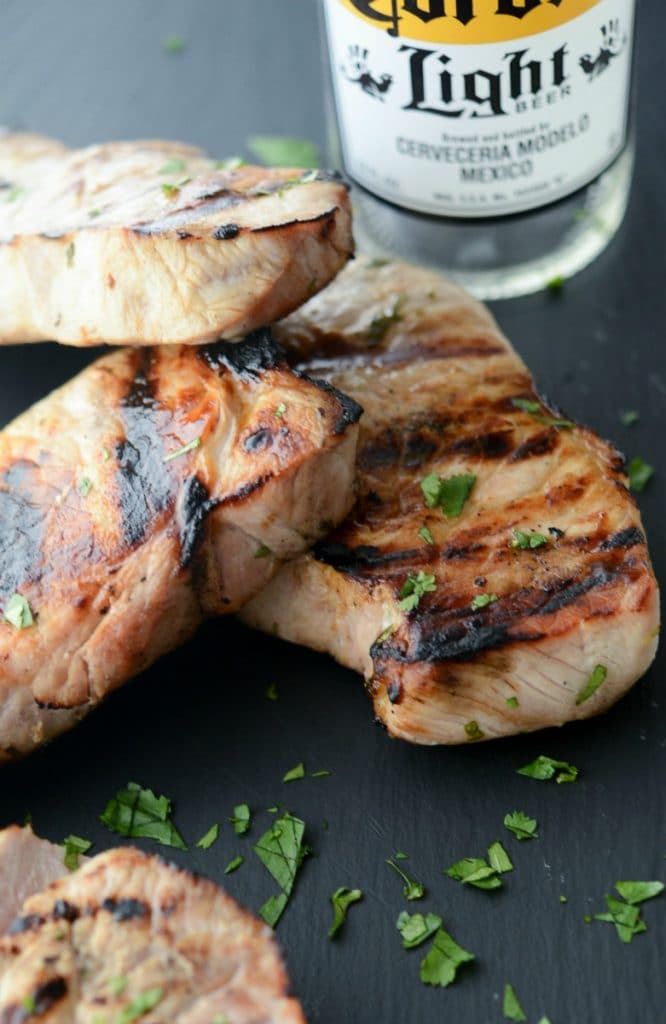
x=489, y=138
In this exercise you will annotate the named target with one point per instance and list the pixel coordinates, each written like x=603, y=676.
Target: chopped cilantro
x=425, y=534
x=322, y=773
x=534, y=410
x=231, y=163
x=281, y=410
x=271, y=692
x=95, y=212
x=640, y=474
x=279, y=151
x=400, y=855
x=414, y=588
x=512, y=702
x=377, y=263
x=186, y=448
x=592, y=685
x=174, y=166
x=450, y=493
x=380, y=324
x=14, y=193
x=499, y=859
x=170, y=188
x=173, y=44
x=75, y=845
x=439, y=967
x=412, y=890
x=141, y=1005
x=639, y=892
x=138, y=813
x=545, y=768
x=626, y=918
x=628, y=417
x=527, y=539
x=69, y=254
x=475, y=871
x=342, y=899
x=18, y=612
x=211, y=836
x=522, y=826
x=241, y=819
x=281, y=851
x=385, y=634
x=416, y=928
x=28, y=1004
x=234, y=865
x=298, y=772
x=117, y=985
x=85, y=486
x=262, y=551
x=482, y=600
x=563, y=899
x=511, y=1008
x=473, y=731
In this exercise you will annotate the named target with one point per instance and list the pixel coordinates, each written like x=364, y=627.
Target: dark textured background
x=198, y=726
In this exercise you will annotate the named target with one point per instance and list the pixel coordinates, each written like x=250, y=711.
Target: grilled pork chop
x=126, y=937
x=445, y=394
x=27, y=865
x=158, y=487
x=150, y=243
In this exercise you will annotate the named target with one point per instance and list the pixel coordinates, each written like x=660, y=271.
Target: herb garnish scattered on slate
x=342, y=900
x=209, y=838
x=281, y=851
x=545, y=768
x=138, y=813
x=241, y=819
x=625, y=914
x=521, y=825
x=412, y=890
x=511, y=1008
x=74, y=846
x=597, y=677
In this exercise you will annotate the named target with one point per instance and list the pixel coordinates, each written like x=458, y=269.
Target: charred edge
x=350, y=411
x=225, y=232
x=623, y=539
x=43, y=999
x=22, y=526
x=539, y=444
x=328, y=175
x=125, y=910
x=258, y=440
x=247, y=359
x=246, y=490
x=207, y=204
x=493, y=445
x=145, y=486
x=355, y=560
x=25, y=924
x=451, y=553
x=565, y=592
x=326, y=218
x=195, y=508
x=393, y=445
x=64, y=911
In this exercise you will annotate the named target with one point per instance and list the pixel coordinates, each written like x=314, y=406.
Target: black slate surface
x=199, y=727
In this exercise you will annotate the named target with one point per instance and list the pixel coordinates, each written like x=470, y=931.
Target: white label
x=484, y=129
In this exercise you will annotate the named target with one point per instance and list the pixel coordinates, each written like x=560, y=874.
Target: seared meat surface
x=128, y=937
x=445, y=394
x=150, y=243
x=27, y=865
x=158, y=487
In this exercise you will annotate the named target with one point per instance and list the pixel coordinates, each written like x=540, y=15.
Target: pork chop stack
x=158, y=487
x=150, y=243
x=486, y=615
x=127, y=936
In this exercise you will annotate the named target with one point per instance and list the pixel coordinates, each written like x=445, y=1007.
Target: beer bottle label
x=476, y=108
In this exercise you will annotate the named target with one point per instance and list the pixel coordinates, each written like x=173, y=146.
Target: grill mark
x=539, y=444
x=126, y=909
x=258, y=440
x=626, y=538
x=327, y=218
x=459, y=641
x=225, y=232
x=22, y=525
x=25, y=924
x=194, y=510
x=350, y=411
x=365, y=556
x=247, y=359
x=493, y=445
x=64, y=911
x=568, y=591
x=145, y=486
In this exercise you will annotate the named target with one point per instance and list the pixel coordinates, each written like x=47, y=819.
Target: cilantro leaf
x=482, y=600
x=140, y=1005
x=533, y=409
x=69, y=254
x=211, y=836
x=474, y=871
x=450, y=493
x=342, y=899
x=638, y=892
x=186, y=448
x=298, y=772
x=280, y=151
x=512, y=702
x=75, y=845
x=544, y=768
x=230, y=163
x=626, y=918
x=511, y=1008
x=281, y=851
x=18, y=612
x=412, y=890
x=85, y=486
x=640, y=473
x=174, y=166
x=234, y=865
x=597, y=677
x=440, y=966
x=527, y=539
x=474, y=731
x=499, y=859
x=173, y=44
x=271, y=692
x=414, y=588
x=628, y=417
x=555, y=284
x=425, y=534
x=416, y=928
x=521, y=825
x=138, y=813
x=241, y=819
x=380, y=324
